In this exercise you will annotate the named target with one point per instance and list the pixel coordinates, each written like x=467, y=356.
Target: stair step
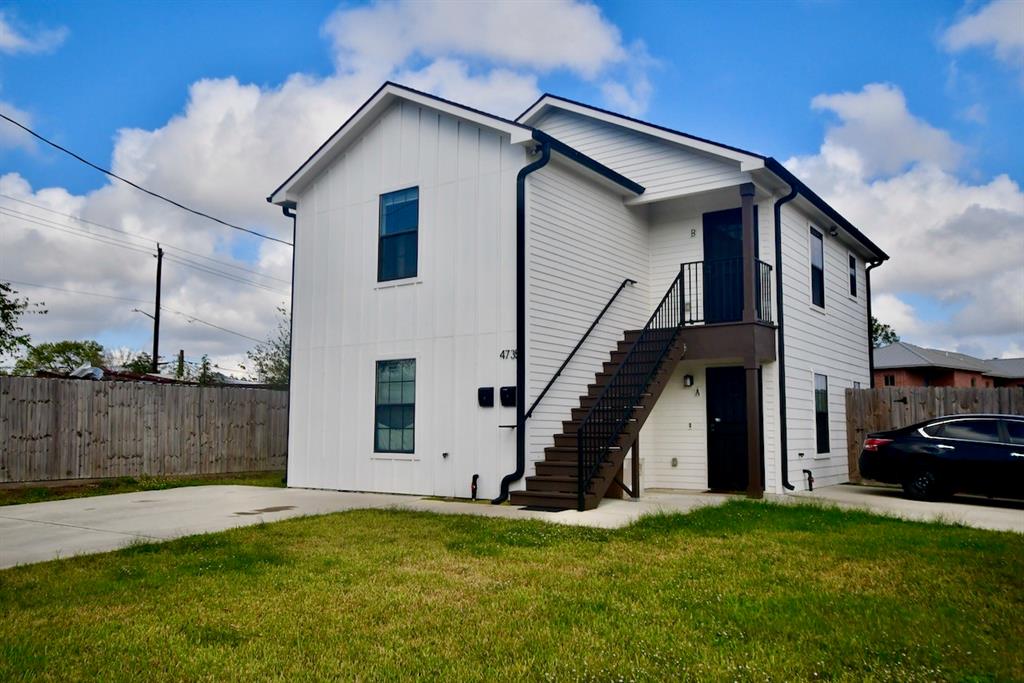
x=551, y=499
x=566, y=452
x=567, y=468
x=555, y=482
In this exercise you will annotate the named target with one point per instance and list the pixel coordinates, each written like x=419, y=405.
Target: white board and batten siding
x=454, y=317
x=582, y=241
x=832, y=341
x=663, y=168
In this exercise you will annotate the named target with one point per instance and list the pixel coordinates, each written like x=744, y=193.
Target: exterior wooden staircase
x=587, y=456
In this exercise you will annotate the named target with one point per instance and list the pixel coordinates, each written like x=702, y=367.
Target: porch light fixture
x=687, y=380
x=833, y=231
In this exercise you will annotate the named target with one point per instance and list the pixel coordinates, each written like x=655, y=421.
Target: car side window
x=934, y=430
x=972, y=430
x=1016, y=430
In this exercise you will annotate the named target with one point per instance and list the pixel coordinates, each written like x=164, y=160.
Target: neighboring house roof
x=748, y=161
x=1009, y=368
x=387, y=94
x=904, y=355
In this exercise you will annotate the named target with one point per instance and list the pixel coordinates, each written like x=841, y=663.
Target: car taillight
x=873, y=444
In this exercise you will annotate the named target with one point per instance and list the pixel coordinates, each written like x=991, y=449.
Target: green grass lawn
x=37, y=494
x=745, y=591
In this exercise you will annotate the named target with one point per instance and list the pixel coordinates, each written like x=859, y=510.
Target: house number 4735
x=505, y=354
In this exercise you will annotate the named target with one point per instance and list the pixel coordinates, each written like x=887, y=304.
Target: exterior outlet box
x=485, y=397
x=508, y=397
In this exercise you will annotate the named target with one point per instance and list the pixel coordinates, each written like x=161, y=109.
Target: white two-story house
x=564, y=307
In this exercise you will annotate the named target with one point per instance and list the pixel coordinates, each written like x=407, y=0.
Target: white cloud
x=999, y=25
x=10, y=136
x=954, y=243
x=880, y=135
x=14, y=41
x=233, y=143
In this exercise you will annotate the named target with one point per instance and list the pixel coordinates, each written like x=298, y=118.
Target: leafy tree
x=271, y=359
x=141, y=363
x=882, y=334
x=12, y=308
x=205, y=375
x=62, y=357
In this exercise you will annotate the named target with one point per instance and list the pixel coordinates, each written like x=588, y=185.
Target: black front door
x=727, y=429
x=723, y=266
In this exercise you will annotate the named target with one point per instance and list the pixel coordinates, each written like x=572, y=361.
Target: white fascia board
x=368, y=112
x=747, y=162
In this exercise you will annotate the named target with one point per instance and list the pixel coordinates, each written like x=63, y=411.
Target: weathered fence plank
x=55, y=429
x=884, y=408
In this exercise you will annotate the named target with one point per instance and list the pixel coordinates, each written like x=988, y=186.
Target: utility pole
x=156, y=313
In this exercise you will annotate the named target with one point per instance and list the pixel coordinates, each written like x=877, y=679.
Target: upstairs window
x=817, y=269
x=890, y=380
x=821, y=412
x=397, y=243
x=395, y=414
x=853, y=275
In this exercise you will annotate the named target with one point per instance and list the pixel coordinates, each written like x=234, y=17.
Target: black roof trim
x=795, y=183
x=367, y=102
x=589, y=163
x=641, y=122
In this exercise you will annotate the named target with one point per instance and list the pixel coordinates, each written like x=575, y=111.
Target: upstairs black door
x=726, y=402
x=723, y=266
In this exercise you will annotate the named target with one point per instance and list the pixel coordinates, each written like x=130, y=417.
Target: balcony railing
x=712, y=291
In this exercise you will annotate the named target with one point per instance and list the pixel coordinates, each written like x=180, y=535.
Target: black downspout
x=288, y=210
x=780, y=316
x=871, y=342
x=509, y=479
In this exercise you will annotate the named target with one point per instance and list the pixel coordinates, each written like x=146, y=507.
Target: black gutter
x=823, y=206
x=509, y=479
x=781, y=352
x=588, y=163
x=871, y=342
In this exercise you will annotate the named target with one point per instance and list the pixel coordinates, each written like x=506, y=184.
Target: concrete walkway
x=37, y=532
x=980, y=513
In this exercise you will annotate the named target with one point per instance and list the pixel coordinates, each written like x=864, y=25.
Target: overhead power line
x=139, y=187
x=189, y=316
x=103, y=239
x=132, y=235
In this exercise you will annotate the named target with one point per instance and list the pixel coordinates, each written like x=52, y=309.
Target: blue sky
x=744, y=73
x=716, y=75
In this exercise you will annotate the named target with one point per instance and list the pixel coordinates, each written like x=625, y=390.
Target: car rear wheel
x=924, y=484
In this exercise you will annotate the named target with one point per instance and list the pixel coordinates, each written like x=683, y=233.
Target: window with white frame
x=821, y=413
x=395, y=411
x=817, y=268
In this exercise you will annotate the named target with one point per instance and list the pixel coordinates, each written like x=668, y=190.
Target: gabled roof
x=1010, y=368
x=369, y=111
x=904, y=355
x=748, y=161
x=388, y=93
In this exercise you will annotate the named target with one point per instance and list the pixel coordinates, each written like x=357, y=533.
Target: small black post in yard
x=155, y=368
x=635, y=468
x=181, y=364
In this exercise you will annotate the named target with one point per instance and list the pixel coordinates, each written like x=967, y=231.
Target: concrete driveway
x=981, y=513
x=37, y=532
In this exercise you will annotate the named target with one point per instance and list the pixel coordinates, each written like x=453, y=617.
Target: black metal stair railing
x=614, y=406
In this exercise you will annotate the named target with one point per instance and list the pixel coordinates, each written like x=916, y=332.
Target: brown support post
x=749, y=255
x=755, y=486
x=634, y=483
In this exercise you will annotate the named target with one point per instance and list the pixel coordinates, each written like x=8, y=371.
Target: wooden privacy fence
x=53, y=429
x=882, y=408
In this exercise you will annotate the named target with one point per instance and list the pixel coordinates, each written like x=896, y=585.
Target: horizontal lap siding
x=582, y=242
x=454, y=321
x=663, y=168
x=833, y=343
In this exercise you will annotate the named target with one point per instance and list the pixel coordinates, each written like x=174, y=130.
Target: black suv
x=982, y=454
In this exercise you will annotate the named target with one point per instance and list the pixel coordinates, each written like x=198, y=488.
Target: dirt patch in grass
x=745, y=591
